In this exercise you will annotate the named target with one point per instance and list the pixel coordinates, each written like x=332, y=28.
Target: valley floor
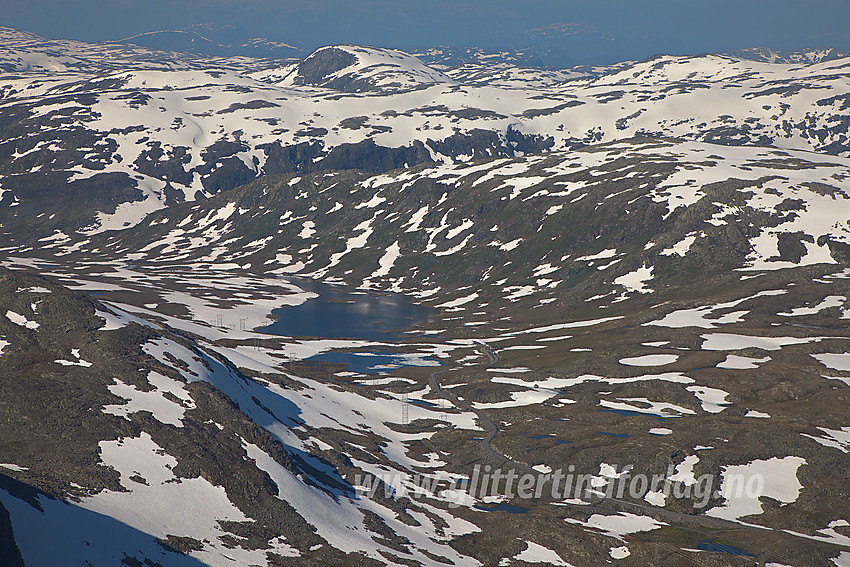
x=743, y=385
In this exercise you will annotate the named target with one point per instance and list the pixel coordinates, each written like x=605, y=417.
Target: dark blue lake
x=343, y=313
x=630, y=413
x=509, y=508
x=340, y=313
x=711, y=546
x=618, y=435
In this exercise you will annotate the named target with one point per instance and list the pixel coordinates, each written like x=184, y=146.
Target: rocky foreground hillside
x=134, y=442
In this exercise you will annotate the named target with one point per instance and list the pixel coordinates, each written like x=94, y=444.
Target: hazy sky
x=608, y=28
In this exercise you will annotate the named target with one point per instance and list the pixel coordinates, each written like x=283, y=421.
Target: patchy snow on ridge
x=636, y=280
x=21, y=320
x=743, y=485
x=650, y=360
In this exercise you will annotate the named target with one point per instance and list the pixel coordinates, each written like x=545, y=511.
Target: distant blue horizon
x=577, y=31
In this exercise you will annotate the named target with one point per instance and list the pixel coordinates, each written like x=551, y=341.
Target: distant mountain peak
x=805, y=56
x=212, y=39
x=560, y=29
x=355, y=68
x=138, y=39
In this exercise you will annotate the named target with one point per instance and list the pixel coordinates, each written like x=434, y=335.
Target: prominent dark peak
x=355, y=68
x=321, y=66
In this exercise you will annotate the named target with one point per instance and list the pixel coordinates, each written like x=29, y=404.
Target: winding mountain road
x=593, y=501
x=487, y=423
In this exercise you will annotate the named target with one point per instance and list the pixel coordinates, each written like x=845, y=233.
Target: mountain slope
x=24, y=52
x=724, y=372
x=569, y=228
x=636, y=274
x=127, y=143
x=146, y=440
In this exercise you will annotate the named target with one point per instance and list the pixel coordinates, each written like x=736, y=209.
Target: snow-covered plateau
x=290, y=312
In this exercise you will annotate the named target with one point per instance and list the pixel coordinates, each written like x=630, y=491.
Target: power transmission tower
x=405, y=409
